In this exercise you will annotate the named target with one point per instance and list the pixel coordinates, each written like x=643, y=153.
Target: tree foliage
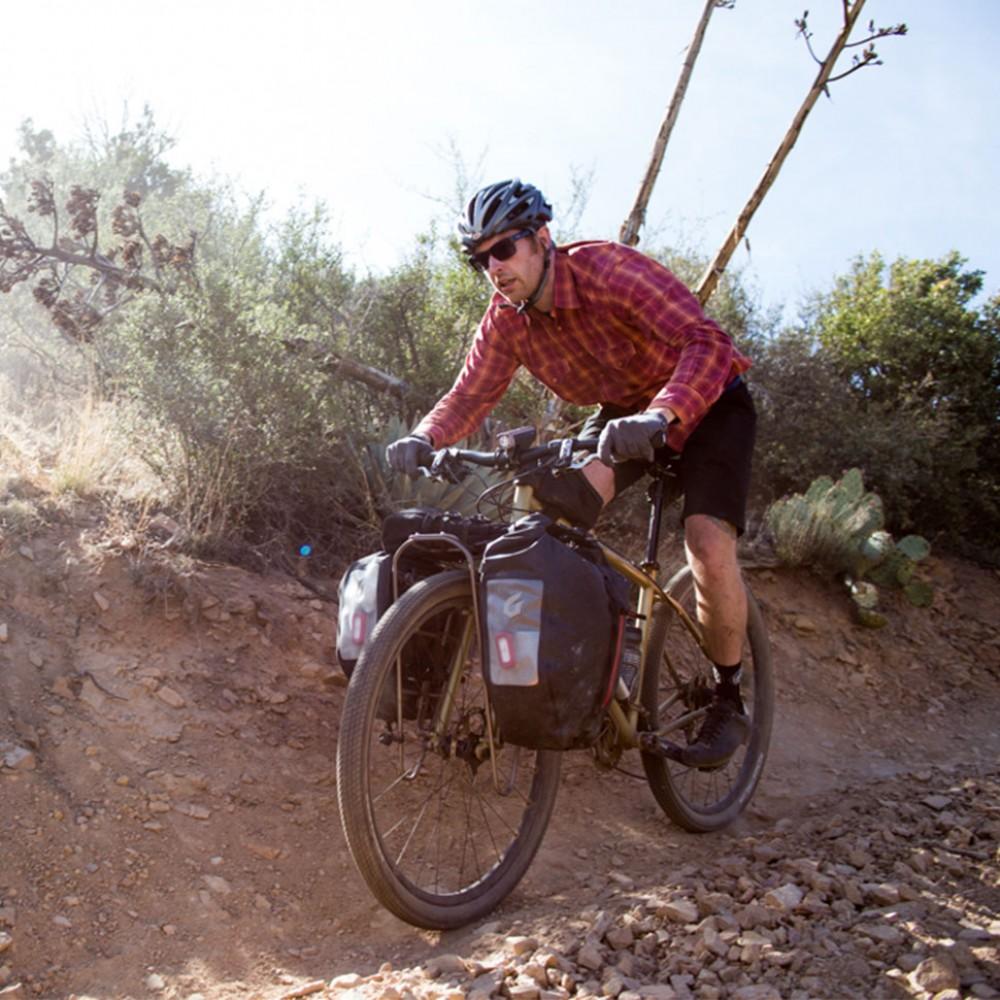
x=253, y=364
x=895, y=371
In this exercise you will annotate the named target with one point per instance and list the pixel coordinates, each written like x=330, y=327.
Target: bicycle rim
x=440, y=830
x=676, y=686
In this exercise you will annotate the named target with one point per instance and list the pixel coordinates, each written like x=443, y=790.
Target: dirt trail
x=168, y=819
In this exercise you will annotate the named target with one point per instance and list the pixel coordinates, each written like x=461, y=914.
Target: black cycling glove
x=409, y=453
x=630, y=438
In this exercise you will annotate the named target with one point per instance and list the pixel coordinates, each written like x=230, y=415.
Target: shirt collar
x=564, y=290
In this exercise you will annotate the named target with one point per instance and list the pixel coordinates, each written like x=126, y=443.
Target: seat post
x=655, y=493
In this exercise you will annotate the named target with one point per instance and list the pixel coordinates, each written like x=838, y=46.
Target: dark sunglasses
x=502, y=250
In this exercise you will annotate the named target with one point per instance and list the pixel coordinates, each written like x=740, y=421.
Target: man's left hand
x=629, y=438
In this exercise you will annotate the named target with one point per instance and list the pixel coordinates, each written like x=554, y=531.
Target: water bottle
x=628, y=665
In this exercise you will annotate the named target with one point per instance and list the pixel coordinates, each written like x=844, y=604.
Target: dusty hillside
x=168, y=822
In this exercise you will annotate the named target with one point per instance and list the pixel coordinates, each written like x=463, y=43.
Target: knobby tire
x=435, y=841
x=675, y=682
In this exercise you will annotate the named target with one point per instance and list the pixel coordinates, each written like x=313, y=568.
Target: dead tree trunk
x=629, y=233
x=709, y=280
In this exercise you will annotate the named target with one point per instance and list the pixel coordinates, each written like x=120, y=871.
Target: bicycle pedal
x=659, y=747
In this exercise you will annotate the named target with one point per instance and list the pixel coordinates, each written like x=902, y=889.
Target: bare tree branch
x=330, y=361
x=629, y=233
x=710, y=279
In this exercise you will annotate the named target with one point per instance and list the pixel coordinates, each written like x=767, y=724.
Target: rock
x=804, y=623
x=192, y=810
x=682, y=985
x=590, y=957
x=783, y=899
x=486, y=984
x=983, y=991
x=156, y=983
x=621, y=879
x=680, y=911
x=241, y=604
x=170, y=697
x=27, y=553
x=19, y=759
x=620, y=938
x=305, y=990
x=537, y=972
x=937, y=973
x=937, y=802
x=4, y=635
x=612, y=985
x=217, y=884
x=522, y=989
x=657, y=991
x=5, y=941
x=348, y=981
x=520, y=945
x=446, y=965
x=712, y=941
x=101, y=601
x=265, y=851
x=883, y=894
x=756, y=991
x=61, y=687
x=883, y=933
x=92, y=696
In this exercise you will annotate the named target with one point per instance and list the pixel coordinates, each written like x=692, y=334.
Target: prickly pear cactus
x=896, y=568
x=828, y=525
x=837, y=525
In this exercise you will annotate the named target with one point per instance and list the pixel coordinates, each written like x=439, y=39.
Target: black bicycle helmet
x=502, y=206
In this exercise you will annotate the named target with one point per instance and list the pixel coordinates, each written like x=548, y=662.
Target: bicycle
x=441, y=816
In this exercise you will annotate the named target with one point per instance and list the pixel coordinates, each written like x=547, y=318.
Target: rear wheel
x=441, y=826
x=677, y=686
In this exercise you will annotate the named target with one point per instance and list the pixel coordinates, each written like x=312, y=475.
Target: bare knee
x=711, y=546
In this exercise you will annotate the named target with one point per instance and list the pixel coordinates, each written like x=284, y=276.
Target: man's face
x=517, y=277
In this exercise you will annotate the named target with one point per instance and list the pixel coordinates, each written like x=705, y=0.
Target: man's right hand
x=407, y=454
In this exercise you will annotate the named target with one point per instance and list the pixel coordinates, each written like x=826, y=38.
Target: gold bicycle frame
x=650, y=591
x=626, y=722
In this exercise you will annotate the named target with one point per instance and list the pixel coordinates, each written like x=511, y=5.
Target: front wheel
x=442, y=821
x=677, y=686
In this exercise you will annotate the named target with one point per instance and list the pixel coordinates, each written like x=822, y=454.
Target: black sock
x=727, y=680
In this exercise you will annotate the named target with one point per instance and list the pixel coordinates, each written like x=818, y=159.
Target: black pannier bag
x=365, y=590
x=366, y=593
x=553, y=611
x=365, y=596
x=473, y=532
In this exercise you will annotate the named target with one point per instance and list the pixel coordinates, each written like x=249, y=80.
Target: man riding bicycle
x=600, y=323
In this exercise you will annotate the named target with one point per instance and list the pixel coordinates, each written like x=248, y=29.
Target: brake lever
x=565, y=457
x=445, y=467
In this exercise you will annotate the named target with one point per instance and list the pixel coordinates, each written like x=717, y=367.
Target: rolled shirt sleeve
x=484, y=378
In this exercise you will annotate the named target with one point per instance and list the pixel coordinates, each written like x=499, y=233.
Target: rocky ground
x=168, y=820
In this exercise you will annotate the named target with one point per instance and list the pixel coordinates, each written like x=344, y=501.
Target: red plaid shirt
x=625, y=331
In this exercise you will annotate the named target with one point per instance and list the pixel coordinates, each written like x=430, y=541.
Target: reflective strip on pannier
x=514, y=614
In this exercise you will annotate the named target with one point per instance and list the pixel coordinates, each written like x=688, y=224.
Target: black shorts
x=714, y=467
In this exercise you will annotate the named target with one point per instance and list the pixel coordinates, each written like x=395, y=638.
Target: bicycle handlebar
x=516, y=452
x=509, y=458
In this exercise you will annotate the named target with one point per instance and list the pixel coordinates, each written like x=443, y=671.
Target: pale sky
x=357, y=104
